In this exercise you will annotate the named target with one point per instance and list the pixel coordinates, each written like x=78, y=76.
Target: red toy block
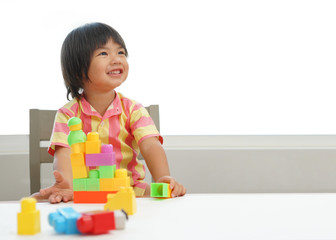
x=96, y=222
x=91, y=196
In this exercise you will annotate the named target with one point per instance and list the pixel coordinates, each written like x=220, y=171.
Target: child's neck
x=100, y=102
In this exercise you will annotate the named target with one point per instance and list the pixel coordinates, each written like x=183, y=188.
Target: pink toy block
x=105, y=158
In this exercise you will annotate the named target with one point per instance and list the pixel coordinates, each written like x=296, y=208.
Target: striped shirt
x=125, y=124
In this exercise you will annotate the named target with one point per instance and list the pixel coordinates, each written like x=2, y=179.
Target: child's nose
x=115, y=59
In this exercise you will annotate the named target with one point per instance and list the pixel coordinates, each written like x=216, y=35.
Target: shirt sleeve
x=142, y=125
x=59, y=136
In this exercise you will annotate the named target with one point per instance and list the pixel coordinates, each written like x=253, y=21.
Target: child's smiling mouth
x=115, y=72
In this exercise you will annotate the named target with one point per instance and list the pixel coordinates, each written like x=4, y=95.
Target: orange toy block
x=77, y=159
x=78, y=147
x=92, y=144
x=120, y=179
x=91, y=196
x=106, y=184
x=120, y=182
x=79, y=172
x=124, y=199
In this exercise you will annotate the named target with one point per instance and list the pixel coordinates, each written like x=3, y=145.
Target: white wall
x=211, y=164
x=244, y=67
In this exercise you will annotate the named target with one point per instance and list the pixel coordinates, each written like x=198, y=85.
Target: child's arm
x=157, y=163
x=61, y=190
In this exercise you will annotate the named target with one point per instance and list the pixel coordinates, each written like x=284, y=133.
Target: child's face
x=108, y=68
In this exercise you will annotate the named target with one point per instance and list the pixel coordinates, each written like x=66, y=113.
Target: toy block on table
x=160, y=190
x=96, y=222
x=93, y=143
x=120, y=217
x=64, y=220
x=68, y=221
x=28, y=220
x=101, y=221
x=124, y=199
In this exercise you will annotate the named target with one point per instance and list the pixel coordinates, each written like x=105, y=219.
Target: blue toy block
x=64, y=220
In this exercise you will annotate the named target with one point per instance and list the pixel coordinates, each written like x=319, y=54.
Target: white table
x=206, y=217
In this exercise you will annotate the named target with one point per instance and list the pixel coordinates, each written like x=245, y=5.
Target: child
x=94, y=64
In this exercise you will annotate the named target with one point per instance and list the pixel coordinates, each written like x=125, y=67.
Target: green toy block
x=80, y=184
x=94, y=174
x=76, y=137
x=74, y=121
x=160, y=190
x=92, y=183
x=107, y=171
x=76, y=134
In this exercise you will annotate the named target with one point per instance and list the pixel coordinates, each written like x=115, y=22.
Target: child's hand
x=177, y=188
x=60, y=191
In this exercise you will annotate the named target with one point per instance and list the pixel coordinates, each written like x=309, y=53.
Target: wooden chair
x=41, y=125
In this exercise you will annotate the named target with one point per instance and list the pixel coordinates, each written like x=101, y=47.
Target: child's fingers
x=175, y=188
x=46, y=192
x=165, y=179
x=178, y=189
x=55, y=198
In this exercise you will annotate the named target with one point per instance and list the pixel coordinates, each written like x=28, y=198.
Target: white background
x=215, y=67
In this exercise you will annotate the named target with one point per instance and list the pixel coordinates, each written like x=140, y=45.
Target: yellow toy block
x=120, y=182
x=124, y=199
x=92, y=144
x=79, y=172
x=77, y=159
x=106, y=184
x=78, y=147
x=121, y=173
x=76, y=127
x=114, y=184
x=120, y=179
x=28, y=220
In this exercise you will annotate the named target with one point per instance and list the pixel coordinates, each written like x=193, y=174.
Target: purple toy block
x=100, y=159
x=105, y=158
x=107, y=148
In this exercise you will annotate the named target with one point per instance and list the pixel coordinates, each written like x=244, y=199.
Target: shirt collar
x=113, y=109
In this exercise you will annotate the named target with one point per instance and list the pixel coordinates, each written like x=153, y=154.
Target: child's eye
x=122, y=52
x=103, y=53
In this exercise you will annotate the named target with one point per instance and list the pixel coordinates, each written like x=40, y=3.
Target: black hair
x=77, y=50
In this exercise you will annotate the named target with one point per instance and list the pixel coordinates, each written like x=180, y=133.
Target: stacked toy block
x=93, y=166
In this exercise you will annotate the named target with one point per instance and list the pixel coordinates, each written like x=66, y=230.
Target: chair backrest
x=41, y=125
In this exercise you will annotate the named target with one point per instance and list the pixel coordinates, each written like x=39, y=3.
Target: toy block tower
x=28, y=220
x=93, y=166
